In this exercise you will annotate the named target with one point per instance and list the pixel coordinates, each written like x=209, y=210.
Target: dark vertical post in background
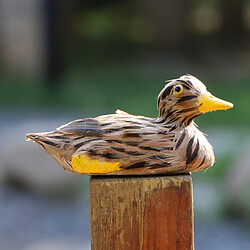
x=58, y=14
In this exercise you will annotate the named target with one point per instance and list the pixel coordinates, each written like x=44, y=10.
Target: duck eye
x=178, y=89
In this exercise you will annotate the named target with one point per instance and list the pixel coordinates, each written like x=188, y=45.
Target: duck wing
x=83, y=127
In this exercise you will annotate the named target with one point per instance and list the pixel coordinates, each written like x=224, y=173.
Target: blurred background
x=64, y=60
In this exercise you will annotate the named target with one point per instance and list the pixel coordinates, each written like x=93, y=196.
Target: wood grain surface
x=141, y=212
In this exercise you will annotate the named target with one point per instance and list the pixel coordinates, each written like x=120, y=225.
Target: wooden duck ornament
x=124, y=144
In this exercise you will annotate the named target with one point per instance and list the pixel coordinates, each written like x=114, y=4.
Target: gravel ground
x=32, y=222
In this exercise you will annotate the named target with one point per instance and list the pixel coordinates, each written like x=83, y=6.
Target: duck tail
x=52, y=142
x=45, y=138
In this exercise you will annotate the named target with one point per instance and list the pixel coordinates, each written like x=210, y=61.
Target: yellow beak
x=207, y=102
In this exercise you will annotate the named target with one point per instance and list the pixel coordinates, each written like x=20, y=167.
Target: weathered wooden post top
x=150, y=212
x=141, y=212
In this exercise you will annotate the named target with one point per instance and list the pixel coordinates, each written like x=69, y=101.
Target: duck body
x=124, y=144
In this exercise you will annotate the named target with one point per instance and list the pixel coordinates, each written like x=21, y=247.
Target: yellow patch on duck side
x=84, y=164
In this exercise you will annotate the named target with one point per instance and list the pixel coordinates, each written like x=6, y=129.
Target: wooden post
x=141, y=212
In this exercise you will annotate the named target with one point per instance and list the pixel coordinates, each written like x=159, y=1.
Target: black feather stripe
x=185, y=84
x=48, y=142
x=194, y=154
x=155, y=166
x=105, y=124
x=105, y=155
x=168, y=148
x=157, y=157
x=191, y=119
x=131, y=135
x=131, y=127
x=180, y=140
x=118, y=149
x=173, y=120
x=131, y=143
x=111, y=130
x=186, y=98
x=163, y=132
x=169, y=114
x=148, y=133
x=57, y=136
x=189, y=150
x=201, y=162
x=113, y=140
x=186, y=110
x=91, y=152
x=109, y=156
x=159, y=120
x=182, y=122
x=162, y=110
x=166, y=92
x=78, y=137
x=158, y=102
x=134, y=153
x=149, y=148
x=173, y=128
x=141, y=164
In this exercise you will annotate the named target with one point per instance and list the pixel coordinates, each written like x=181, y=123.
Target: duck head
x=185, y=98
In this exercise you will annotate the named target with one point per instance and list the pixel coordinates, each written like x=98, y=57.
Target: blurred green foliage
x=112, y=24
x=130, y=87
